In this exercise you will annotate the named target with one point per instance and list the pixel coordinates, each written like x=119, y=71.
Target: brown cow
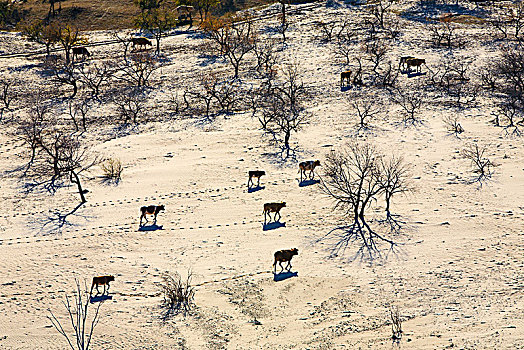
x=151, y=210
x=308, y=165
x=101, y=280
x=345, y=76
x=283, y=256
x=141, y=42
x=415, y=62
x=255, y=173
x=80, y=51
x=273, y=208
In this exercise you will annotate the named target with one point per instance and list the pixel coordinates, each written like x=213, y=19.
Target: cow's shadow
x=345, y=88
x=152, y=227
x=273, y=225
x=284, y=275
x=415, y=74
x=305, y=183
x=255, y=189
x=99, y=298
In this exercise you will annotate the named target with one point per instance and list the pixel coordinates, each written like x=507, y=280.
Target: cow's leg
x=141, y=217
x=281, y=267
x=279, y=217
x=97, y=290
x=91, y=291
x=289, y=265
x=258, y=181
x=265, y=219
x=154, y=220
x=250, y=181
x=108, y=285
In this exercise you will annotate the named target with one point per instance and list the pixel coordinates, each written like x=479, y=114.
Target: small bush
x=178, y=294
x=112, y=170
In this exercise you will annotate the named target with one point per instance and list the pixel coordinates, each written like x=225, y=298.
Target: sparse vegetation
x=112, y=169
x=178, y=294
x=82, y=322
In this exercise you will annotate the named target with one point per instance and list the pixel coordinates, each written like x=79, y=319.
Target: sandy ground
x=457, y=277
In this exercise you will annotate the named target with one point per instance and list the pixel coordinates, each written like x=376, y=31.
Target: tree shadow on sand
x=56, y=221
x=365, y=246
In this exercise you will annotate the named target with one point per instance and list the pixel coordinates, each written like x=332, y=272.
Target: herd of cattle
x=280, y=256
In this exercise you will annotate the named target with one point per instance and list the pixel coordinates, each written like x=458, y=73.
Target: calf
x=345, y=76
x=80, y=51
x=308, y=165
x=283, y=256
x=101, y=280
x=255, y=173
x=273, y=208
x=151, y=210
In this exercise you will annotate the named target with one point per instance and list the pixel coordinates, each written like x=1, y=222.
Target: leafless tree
x=78, y=113
x=58, y=157
x=266, y=57
x=67, y=74
x=482, y=165
x=376, y=51
x=453, y=125
x=82, y=322
x=447, y=35
x=131, y=105
x=179, y=294
x=344, y=49
x=233, y=40
x=283, y=108
x=396, y=324
x=353, y=179
x=138, y=69
x=125, y=41
x=510, y=112
x=6, y=96
x=411, y=103
x=379, y=10
x=394, y=179
x=508, y=19
x=327, y=30
x=366, y=112
x=226, y=92
x=96, y=75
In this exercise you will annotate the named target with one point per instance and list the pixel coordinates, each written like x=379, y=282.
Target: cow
x=101, y=280
x=141, y=42
x=273, y=208
x=255, y=173
x=415, y=62
x=402, y=64
x=308, y=165
x=345, y=76
x=283, y=256
x=151, y=210
x=81, y=50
